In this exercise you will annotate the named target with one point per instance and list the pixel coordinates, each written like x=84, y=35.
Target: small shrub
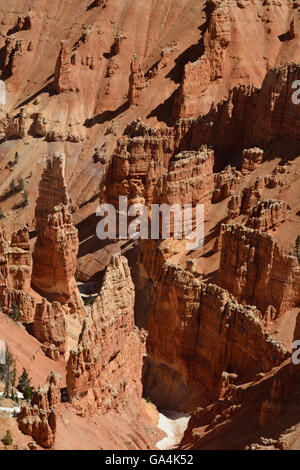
x=25, y=198
x=28, y=391
x=12, y=186
x=88, y=300
x=297, y=248
x=8, y=439
x=15, y=312
x=24, y=385
x=21, y=184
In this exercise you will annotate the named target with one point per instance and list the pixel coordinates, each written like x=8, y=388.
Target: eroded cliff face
x=222, y=59
x=56, y=247
x=15, y=272
x=210, y=67
x=50, y=328
x=189, y=179
x=141, y=157
x=104, y=371
x=205, y=333
x=52, y=190
x=39, y=418
x=251, y=117
x=54, y=259
x=257, y=271
x=266, y=409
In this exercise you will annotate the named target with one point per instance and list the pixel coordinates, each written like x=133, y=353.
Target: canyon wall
x=200, y=331
x=223, y=58
x=249, y=117
x=257, y=271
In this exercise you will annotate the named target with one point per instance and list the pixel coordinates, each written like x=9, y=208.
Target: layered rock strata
x=39, y=418
x=104, y=371
x=257, y=271
x=205, y=332
x=55, y=260
x=50, y=328
x=15, y=275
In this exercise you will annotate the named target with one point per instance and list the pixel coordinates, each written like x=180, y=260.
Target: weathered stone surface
x=189, y=179
x=17, y=126
x=205, y=332
x=225, y=183
x=210, y=67
x=25, y=22
x=15, y=274
x=140, y=158
x=251, y=117
x=252, y=158
x=11, y=54
x=104, y=371
x=39, y=124
x=63, y=72
x=52, y=190
x=50, y=328
x=267, y=214
x=56, y=247
x=137, y=81
x=243, y=203
x=55, y=260
x=39, y=419
x=256, y=270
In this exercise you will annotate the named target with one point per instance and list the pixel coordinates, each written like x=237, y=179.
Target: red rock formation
x=137, y=81
x=18, y=261
x=101, y=3
x=257, y=271
x=292, y=29
x=251, y=117
x=243, y=203
x=39, y=419
x=8, y=48
x=15, y=274
x=55, y=260
x=17, y=126
x=25, y=22
x=210, y=67
x=50, y=328
x=225, y=183
x=52, y=190
x=11, y=55
x=63, y=73
x=39, y=124
x=140, y=158
x=104, y=371
x=205, y=332
x=267, y=214
x=189, y=179
x=252, y=158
